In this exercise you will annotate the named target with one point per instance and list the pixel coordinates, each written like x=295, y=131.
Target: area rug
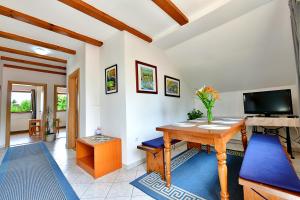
x=29, y=172
x=194, y=176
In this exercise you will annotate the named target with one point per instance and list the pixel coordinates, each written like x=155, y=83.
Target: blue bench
x=267, y=171
x=155, y=155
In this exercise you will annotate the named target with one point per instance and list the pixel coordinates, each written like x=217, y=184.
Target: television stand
x=287, y=122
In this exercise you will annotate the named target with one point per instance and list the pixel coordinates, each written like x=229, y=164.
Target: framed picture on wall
x=111, y=79
x=172, y=86
x=146, y=78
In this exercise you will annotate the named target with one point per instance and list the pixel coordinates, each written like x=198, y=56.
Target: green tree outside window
x=61, y=102
x=21, y=105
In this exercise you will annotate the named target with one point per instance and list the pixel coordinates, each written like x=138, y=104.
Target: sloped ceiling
x=252, y=51
x=230, y=44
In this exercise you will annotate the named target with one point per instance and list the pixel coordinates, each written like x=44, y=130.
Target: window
x=61, y=102
x=20, y=102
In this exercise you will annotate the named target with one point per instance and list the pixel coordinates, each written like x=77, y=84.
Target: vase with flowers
x=208, y=95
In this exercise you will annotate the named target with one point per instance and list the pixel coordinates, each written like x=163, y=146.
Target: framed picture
x=146, y=78
x=111, y=79
x=172, y=86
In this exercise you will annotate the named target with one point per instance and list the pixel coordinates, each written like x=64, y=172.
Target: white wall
x=144, y=112
x=19, y=121
x=87, y=60
x=133, y=116
x=78, y=62
x=231, y=103
x=113, y=106
x=92, y=88
x=34, y=77
x=62, y=115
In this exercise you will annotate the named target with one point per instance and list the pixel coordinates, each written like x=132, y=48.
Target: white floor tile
x=123, y=189
x=80, y=188
x=97, y=190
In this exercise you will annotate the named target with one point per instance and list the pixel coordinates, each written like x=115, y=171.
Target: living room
x=134, y=68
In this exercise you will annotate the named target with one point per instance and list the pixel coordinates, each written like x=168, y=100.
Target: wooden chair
x=56, y=125
x=34, y=127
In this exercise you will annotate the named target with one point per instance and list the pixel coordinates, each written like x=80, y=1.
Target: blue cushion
x=157, y=143
x=265, y=162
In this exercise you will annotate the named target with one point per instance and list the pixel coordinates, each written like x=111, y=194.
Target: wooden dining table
x=216, y=133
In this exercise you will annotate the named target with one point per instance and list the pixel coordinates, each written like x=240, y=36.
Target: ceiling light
x=41, y=51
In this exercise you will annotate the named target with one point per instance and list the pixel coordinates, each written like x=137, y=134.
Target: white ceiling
x=252, y=51
x=144, y=15
x=224, y=38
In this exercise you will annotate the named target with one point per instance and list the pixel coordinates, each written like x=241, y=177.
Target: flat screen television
x=268, y=102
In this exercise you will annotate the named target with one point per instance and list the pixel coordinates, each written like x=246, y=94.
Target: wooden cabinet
x=99, y=155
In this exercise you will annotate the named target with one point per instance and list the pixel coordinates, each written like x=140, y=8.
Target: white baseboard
x=134, y=164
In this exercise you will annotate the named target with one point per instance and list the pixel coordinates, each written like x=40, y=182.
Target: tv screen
x=268, y=102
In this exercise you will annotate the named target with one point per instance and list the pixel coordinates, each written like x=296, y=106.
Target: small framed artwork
x=146, y=78
x=111, y=79
x=172, y=86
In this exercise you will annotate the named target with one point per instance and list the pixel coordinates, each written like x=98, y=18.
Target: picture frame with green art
x=111, y=79
x=172, y=87
x=146, y=78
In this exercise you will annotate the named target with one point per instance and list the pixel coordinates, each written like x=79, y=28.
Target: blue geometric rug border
x=63, y=183
x=159, y=191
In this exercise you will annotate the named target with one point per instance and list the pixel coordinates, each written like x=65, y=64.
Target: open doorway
x=73, y=109
x=25, y=114
x=60, y=110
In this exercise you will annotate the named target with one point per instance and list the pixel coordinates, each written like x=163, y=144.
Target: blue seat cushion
x=266, y=162
x=157, y=142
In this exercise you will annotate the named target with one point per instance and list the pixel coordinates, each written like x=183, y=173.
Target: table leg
x=288, y=142
x=167, y=141
x=222, y=169
x=244, y=137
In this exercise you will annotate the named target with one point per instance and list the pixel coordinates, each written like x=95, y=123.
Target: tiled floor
x=115, y=185
x=22, y=138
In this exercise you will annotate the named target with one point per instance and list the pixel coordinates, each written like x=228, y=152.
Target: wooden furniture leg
x=244, y=137
x=167, y=142
x=155, y=163
x=220, y=147
x=208, y=149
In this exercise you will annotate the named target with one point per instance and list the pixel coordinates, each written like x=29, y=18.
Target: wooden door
x=73, y=109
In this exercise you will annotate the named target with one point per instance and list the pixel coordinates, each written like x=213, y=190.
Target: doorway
x=25, y=112
x=73, y=109
x=60, y=110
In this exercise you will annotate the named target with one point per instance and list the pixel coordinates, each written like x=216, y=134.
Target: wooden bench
x=155, y=159
x=267, y=172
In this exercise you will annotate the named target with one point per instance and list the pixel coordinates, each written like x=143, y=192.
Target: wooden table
x=218, y=138
x=99, y=155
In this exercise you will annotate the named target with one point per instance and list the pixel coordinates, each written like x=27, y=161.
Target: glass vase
x=209, y=115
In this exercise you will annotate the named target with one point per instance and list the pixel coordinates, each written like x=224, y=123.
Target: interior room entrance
x=60, y=110
x=25, y=114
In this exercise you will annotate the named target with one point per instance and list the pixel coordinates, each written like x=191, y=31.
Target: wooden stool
x=34, y=127
x=56, y=122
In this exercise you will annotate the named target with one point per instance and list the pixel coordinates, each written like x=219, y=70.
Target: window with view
x=61, y=102
x=20, y=102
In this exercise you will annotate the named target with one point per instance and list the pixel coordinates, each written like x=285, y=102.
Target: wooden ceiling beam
x=19, y=38
x=46, y=25
x=33, y=69
x=105, y=18
x=172, y=10
x=35, y=55
x=32, y=63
